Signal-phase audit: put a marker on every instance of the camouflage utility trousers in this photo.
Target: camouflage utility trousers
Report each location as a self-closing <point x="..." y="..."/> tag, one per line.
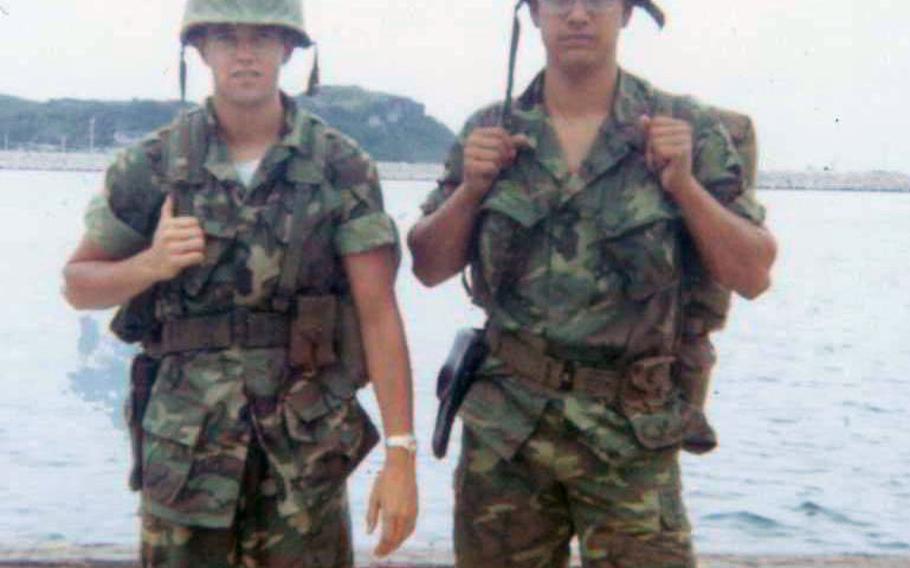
<point x="259" y="537"/>
<point x="524" y="512"/>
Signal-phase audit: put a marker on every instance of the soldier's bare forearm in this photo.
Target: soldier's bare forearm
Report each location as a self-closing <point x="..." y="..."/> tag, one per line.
<point x="372" y="278"/>
<point x="387" y="362"/>
<point x="101" y="284"/>
<point x="737" y="253"/>
<point x="439" y="241"/>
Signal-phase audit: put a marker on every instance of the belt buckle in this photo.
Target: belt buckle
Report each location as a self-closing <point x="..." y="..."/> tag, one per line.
<point x="240" y="326"/>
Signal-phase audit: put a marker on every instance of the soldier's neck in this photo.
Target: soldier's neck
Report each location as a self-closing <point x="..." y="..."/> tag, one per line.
<point x="249" y="130"/>
<point x="581" y="93"/>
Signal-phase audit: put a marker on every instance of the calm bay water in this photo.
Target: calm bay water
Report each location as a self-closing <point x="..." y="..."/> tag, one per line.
<point x="811" y="396"/>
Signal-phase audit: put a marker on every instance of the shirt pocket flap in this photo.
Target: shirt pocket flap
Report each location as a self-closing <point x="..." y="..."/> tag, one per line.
<point x="509" y="199"/>
<point x="304" y="403"/>
<point x="639" y="210"/>
<point x="320" y="205"/>
<point x="305" y="172"/>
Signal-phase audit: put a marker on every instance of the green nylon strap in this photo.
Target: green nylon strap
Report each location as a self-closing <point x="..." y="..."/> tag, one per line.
<point x="293" y="257"/>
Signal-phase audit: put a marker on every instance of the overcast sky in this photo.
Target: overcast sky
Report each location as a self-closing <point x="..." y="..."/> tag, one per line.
<point x="827" y="81"/>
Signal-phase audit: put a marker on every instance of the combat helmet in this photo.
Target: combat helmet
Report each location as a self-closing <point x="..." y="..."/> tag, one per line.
<point x="286" y="14"/>
<point x="648" y="6"/>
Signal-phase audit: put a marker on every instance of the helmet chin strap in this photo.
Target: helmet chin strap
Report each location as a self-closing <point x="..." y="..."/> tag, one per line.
<point x="313" y="84"/>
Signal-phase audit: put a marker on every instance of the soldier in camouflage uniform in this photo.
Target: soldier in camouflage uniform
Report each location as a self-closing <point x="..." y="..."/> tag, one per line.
<point x="257" y="236"/>
<point x="584" y="217"/>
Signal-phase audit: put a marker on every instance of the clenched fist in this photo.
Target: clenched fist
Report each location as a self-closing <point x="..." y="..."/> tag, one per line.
<point x="487" y="152"/>
<point x="178" y="243"/>
<point x="668" y="150"/>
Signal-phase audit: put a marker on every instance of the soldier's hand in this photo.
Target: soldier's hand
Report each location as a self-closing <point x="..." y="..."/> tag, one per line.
<point x="178" y="243"/>
<point x="394" y="499"/>
<point x="668" y="150"/>
<point x="487" y="152"/>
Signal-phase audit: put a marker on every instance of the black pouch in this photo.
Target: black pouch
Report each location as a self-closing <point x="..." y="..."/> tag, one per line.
<point x="454" y="381"/>
<point x="143" y="371"/>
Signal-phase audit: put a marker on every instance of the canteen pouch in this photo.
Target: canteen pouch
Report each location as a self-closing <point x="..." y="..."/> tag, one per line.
<point x="311" y="341"/>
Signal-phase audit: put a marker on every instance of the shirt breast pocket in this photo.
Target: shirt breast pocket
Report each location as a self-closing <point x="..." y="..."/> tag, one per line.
<point x="640" y="238"/>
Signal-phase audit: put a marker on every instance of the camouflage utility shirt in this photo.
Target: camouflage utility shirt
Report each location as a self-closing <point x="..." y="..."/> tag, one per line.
<point x="207" y="406"/>
<point x="589" y="261"/>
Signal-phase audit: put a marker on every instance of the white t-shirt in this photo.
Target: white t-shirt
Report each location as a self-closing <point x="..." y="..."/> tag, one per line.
<point x="246" y="170"/>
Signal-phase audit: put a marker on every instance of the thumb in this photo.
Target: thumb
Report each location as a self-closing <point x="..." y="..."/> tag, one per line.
<point x="373" y="509"/>
<point x="521" y="141"/>
<point x="167" y="208"/>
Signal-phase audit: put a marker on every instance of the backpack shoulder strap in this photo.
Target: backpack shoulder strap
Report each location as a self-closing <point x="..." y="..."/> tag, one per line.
<point x="290" y="267"/>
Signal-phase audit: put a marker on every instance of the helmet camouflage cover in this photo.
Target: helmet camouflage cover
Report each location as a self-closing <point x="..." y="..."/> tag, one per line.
<point x="287" y="14"/>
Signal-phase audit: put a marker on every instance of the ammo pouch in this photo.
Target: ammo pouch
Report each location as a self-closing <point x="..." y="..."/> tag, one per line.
<point x="143" y="371"/>
<point x="311" y="344"/>
<point x="454" y="380"/>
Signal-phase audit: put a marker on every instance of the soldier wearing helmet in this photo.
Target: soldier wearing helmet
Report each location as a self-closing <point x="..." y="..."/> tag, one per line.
<point x="248" y="248"/>
<point x="603" y="224"/>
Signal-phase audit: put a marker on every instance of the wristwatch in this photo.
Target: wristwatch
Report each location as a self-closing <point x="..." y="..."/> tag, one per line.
<point x="405" y="441"/>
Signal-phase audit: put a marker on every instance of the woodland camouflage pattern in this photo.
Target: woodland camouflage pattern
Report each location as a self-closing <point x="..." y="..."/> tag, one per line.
<point x="594" y="263"/>
<point x="209" y="408"/>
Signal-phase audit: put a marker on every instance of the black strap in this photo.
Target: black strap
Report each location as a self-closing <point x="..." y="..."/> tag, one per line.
<point x="313" y="84"/>
<point x="513" y="55"/>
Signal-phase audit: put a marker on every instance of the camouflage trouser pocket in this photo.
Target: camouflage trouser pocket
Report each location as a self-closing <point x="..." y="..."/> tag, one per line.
<point x="329" y="438"/>
<point x="172" y="426"/>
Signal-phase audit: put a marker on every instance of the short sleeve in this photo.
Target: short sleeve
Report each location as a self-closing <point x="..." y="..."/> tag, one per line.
<point x="122" y="219"/>
<point x="721" y="169"/>
<point x="364" y="224"/>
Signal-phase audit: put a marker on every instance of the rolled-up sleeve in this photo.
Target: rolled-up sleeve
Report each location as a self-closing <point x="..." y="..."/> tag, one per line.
<point x="122" y="219"/>
<point x="722" y="169"/>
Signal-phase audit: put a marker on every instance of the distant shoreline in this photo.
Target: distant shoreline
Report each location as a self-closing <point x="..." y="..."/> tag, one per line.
<point x="98" y="162"/>
<point x="873" y="181"/>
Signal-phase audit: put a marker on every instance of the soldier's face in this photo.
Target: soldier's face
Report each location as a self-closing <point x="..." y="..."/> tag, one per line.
<point x="245" y="61"/>
<point x="582" y="33"/>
